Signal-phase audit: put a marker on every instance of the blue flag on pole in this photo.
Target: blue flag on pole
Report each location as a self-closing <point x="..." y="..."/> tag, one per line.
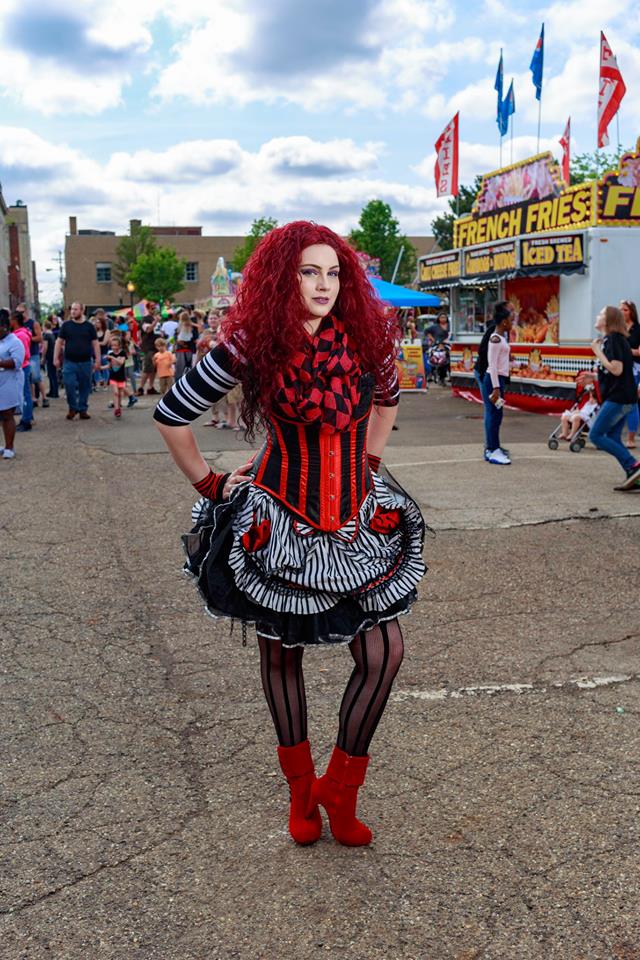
<point x="536" y="65"/>
<point x="507" y="109"/>
<point x="498" y="86"/>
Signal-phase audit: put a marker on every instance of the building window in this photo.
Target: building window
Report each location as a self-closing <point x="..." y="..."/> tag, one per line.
<point x="103" y="273"/>
<point x="191" y="272"/>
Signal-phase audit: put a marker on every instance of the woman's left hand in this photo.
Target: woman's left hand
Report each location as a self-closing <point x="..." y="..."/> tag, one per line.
<point x="596" y="346"/>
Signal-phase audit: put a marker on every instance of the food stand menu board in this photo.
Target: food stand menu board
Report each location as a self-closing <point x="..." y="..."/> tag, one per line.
<point x="550" y="254"/>
<point x="489" y="261"/>
<point x="441" y="268"/>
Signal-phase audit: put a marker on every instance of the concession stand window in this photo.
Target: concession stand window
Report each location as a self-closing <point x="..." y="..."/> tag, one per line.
<point x="472" y="308"/>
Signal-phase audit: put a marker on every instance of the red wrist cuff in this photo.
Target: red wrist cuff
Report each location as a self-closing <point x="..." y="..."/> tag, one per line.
<point x="212" y="485"/>
<point x="374" y="462"/>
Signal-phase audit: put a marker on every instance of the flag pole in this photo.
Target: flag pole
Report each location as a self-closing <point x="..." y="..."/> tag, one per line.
<point x="539" y="118"/>
<point x="511" y="161"/>
<point x="618" y="130"/>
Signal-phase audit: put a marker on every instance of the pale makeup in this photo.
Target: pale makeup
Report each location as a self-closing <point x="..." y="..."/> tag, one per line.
<point x="319" y="274"/>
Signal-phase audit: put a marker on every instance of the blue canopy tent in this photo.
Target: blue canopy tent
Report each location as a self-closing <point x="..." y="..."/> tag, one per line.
<point x="403" y="297"/>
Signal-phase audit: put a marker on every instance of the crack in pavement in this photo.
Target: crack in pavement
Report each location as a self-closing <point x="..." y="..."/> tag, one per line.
<point x="586" y="645"/>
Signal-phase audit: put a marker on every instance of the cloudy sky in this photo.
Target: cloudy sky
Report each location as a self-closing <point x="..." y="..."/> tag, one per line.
<point x="214" y="112"/>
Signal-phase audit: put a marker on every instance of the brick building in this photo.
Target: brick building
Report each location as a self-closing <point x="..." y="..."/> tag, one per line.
<point x="18" y="281"/>
<point x="4" y="253"/>
<point x="90" y="257"/>
<point x="23" y="285"/>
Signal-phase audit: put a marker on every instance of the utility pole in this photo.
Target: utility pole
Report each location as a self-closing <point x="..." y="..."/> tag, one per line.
<point x="59" y="258"/>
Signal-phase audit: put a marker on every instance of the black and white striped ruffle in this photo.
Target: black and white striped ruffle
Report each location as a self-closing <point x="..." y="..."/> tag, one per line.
<point x="304" y="573"/>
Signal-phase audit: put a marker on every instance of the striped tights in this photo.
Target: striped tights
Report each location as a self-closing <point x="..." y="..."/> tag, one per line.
<point x="377" y="655"/>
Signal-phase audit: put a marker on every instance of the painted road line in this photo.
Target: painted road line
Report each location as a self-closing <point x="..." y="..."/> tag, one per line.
<point x="493" y="689"/>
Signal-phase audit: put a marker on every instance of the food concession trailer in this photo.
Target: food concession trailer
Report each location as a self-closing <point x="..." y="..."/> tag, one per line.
<point x="558" y="253"/>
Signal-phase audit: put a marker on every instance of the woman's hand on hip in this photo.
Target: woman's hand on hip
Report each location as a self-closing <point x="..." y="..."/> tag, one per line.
<point x="238" y="476"/>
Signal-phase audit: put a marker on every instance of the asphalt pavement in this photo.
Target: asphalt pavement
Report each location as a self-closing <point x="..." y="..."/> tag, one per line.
<point x="143" y="810"/>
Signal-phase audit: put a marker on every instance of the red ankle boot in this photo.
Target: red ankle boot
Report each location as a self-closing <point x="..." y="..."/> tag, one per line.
<point x="305" y="822"/>
<point x="337" y="791"/>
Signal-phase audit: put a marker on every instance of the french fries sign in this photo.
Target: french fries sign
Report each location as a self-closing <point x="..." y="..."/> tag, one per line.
<point x="574" y="209"/>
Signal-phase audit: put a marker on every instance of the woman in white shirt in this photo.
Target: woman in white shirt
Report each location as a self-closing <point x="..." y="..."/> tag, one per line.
<point x="496" y="377"/>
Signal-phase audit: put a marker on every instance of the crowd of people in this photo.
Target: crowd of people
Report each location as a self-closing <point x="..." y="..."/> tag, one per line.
<point x="80" y="355"/>
<point x="132" y="357"/>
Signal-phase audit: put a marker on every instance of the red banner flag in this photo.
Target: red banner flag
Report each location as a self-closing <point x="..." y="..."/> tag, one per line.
<point x="612" y="90"/>
<point x="565" y="143"/>
<point x="447" y="160"/>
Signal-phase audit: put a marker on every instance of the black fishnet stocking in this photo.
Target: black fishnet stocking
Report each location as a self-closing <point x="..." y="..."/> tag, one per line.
<point x="378" y="654"/>
<point x="283" y="684"/>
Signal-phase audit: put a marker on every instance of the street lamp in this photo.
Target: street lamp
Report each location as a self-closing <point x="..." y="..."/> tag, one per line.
<point x="131" y="288"/>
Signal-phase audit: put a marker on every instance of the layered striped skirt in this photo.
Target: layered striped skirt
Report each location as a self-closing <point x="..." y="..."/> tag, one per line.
<point x="257" y="562"/>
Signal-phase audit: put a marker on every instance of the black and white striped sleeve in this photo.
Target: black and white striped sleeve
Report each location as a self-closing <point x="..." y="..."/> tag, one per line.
<point x="190" y="396"/>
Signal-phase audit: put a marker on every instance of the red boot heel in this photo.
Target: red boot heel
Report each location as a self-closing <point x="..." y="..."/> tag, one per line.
<point x="305" y="822"/>
<point x="337" y="792"/>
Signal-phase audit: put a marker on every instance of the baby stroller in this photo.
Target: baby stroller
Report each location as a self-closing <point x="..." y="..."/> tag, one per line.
<point x="440" y="361"/>
<point x="588" y="401"/>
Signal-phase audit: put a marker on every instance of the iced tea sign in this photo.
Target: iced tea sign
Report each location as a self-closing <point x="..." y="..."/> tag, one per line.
<point x="561" y="253"/>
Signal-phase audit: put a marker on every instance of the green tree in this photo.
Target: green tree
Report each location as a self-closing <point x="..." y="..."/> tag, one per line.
<point x="442" y="226"/>
<point x="259" y="228"/>
<point x="158" y="275"/>
<point x="128" y="249"/>
<point x="592" y="166"/>
<point x="379" y="236"/>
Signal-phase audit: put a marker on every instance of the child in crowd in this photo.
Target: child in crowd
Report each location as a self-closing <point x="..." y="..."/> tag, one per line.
<point x="206" y="342"/>
<point x="232" y="408"/>
<point x="130" y="362"/>
<point x="116" y="359"/>
<point x="164" y="363"/>
<point x="584" y="411"/>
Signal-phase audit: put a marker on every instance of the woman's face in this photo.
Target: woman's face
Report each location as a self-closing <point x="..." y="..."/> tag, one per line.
<point x="626" y="313"/>
<point x="601" y="326"/>
<point x="319" y="279"/>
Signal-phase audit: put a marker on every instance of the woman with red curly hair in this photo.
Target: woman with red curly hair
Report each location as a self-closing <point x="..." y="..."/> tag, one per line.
<point x="308" y="540"/>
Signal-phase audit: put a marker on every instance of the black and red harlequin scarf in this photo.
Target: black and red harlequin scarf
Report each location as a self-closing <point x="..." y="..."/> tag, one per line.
<point x="321" y="383"/>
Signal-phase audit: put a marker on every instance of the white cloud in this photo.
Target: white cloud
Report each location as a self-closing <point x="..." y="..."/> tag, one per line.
<point x="74" y="57"/>
<point x="383" y="54"/>
<point x="187" y="162"/>
<point x="307" y="157"/>
<point x="502" y="12"/>
<point x="216" y="184"/>
<point x="570" y="21"/>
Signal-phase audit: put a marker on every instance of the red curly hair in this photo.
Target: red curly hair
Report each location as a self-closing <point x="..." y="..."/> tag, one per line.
<point x="268" y="317"/>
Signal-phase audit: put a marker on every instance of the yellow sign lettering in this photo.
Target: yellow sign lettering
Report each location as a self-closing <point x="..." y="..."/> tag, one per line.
<point x="618" y="199"/>
<point x="564" y="210"/>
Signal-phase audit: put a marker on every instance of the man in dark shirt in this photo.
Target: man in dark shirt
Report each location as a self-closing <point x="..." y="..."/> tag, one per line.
<point x="79" y="340"/>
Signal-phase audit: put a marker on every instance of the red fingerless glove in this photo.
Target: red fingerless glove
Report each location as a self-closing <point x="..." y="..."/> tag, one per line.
<point x="212" y="485"/>
<point x="374" y="462"/>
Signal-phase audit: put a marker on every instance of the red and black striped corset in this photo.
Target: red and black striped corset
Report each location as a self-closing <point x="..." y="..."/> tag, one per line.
<point x="322" y="476"/>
